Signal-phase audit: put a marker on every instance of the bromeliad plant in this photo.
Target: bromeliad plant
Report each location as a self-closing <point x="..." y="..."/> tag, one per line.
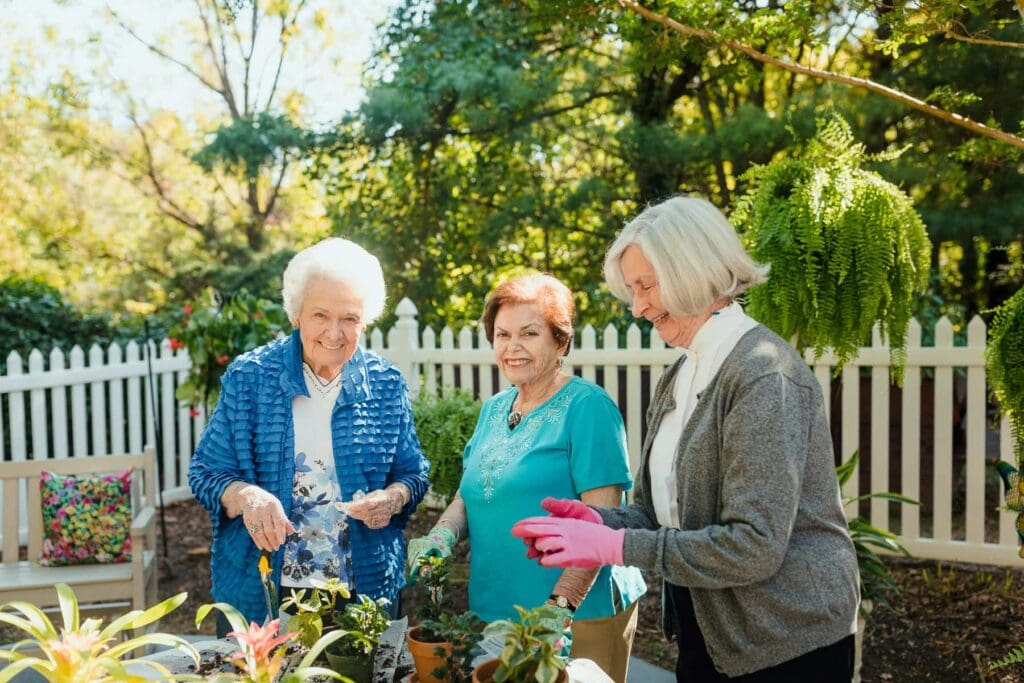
<point x="85" y="651"/>
<point x="262" y="653"/>
<point x="216" y="330"/>
<point x="846" y="247"/>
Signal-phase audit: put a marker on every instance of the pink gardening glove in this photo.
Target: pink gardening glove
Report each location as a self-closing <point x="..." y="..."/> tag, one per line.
<point x="571" y="509"/>
<point x="572" y="542"/>
<point x="567" y="508"/>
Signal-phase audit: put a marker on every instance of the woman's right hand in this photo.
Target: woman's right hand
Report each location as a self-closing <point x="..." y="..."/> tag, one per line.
<point x="264" y="517"/>
<point x="438" y="543"/>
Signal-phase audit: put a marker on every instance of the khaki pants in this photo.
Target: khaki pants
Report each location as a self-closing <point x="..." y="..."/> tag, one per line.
<point x="606" y="641"/>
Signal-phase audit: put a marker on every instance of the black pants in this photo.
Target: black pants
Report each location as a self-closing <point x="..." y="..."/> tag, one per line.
<point x="829" y="664"/>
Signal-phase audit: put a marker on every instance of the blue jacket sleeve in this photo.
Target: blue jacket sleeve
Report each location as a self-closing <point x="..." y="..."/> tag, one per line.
<point x="410" y="465"/>
<point x="216" y="462"/>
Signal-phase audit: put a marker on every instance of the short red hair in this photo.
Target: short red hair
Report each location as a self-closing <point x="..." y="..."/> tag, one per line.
<point x="544" y="291"/>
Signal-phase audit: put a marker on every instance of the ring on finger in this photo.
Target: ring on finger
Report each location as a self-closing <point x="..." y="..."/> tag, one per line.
<point x="254" y="528"/>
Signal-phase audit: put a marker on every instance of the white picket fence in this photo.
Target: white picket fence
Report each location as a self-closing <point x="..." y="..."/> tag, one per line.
<point x="111" y="409"/>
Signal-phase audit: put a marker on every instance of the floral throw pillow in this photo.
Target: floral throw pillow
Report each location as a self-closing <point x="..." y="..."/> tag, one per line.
<point x="86" y="518"/>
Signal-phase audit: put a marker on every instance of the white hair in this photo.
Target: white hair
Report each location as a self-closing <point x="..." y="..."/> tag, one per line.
<point x="696" y="254"/>
<point x="337" y="260"/>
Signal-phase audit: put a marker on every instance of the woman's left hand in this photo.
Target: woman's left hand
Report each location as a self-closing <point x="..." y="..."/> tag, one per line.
<point x="560" y="542"/>
<point x="376" y="508"/>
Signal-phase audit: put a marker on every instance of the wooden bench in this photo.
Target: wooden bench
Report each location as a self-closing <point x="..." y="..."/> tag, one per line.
<point x="99" y="587"/>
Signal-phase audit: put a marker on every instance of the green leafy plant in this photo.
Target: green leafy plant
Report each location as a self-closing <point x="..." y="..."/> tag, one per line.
<point x="434" y="573"/>
<point x="1016" y="656"/>
<point x="362" y="623"/>
<point x="262" y="653"/>
<point x="532" y="648"/>
<point x="876" y="581"/>
<point x="463" y="632"/>
<point x="215" y="331"/>
<point x="313" y="607"/>
<point x="84" y="651"/>
<point x="444" y="425"/>
<point x="1004" y="365"/>
<point x="846" y="247"/>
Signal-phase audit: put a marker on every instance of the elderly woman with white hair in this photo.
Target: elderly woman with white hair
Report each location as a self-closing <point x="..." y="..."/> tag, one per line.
<point x="311" y="454"/>
<point x="737" y="503"/>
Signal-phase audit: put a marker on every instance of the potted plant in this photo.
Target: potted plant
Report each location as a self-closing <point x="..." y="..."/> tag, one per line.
<point x="876" y="581"/>
<point x="460" y="633"/>
<point x="531" y="651"/>
<point x="360" y="625"/>
<point x="847" y="248"/>
<point x="426" y="645"/>
<point x="312" y="608"/>
<point x="262" y="655"/>
<point x="85" y="650"/>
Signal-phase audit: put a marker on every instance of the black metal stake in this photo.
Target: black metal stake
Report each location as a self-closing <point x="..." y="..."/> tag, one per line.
<point x="159" y="447"/>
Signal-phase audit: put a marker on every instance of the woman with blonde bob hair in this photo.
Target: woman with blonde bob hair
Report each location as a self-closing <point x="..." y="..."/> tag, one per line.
<point x="737" y="503"/>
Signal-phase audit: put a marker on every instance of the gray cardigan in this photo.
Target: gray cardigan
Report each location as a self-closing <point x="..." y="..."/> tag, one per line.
<point x="762" y="543"/>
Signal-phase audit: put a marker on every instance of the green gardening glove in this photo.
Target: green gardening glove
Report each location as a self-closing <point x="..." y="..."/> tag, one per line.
<point x="438" y="543"/>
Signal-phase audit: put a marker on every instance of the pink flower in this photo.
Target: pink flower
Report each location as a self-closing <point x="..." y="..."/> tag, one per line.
<point x="192" y="412"/>
<point x="223" y="360"/>
<point x="175" y="343"/>
<point x="256" y="649"/>
<point x="187" y="308"/>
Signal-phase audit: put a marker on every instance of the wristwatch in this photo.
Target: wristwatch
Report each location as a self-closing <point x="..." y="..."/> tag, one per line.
<point x="563" y="602"/>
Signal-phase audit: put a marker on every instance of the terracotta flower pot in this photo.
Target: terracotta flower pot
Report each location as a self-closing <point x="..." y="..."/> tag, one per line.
<point x="424" y="655"/>
<point x="485" y="672"/>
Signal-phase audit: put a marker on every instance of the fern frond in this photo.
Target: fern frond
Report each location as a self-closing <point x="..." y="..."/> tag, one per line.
<point x="846" y="248"/>
<point x="1016" y="656"/>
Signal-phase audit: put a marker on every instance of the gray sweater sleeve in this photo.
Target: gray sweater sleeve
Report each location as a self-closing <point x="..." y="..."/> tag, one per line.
<point x="763" y="441"/>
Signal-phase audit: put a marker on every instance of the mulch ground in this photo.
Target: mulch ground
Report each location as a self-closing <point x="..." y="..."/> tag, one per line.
<point x="948" y="623"/>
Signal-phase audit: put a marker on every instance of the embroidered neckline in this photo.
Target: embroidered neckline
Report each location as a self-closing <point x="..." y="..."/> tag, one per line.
<point x="503" y="445"/>
<point x="323" y="388"/>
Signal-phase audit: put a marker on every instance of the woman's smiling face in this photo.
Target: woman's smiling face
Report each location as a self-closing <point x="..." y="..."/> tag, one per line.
<point x="642" y="281"/>
<point x="330" y="323"/>
<point x="524" y="346"/>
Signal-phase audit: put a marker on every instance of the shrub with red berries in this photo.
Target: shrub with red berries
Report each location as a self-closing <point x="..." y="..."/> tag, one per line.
<point x="216" y="330"/>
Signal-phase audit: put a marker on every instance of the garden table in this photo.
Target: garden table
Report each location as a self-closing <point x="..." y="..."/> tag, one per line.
<point x="391" y="665"/>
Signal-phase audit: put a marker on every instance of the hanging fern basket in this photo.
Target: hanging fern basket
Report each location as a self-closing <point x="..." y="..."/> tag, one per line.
<point x="1004" y="366"/>
<point x="846" y="248"/>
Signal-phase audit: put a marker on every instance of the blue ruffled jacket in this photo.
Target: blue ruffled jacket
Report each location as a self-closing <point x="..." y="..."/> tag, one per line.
<point x="251" y="437"/>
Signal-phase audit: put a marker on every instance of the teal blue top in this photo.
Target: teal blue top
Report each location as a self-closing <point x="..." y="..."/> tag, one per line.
<point x="573" y="442"/>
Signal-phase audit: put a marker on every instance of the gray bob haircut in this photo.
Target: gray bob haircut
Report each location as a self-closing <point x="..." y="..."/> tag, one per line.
<point x="696" y="254"/>
<point x="337" y="260"/>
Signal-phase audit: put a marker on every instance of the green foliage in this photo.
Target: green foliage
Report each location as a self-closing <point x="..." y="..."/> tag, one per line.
<point x="846" y="248"/>
<point x="444" y="425"/>
<point x="1004" y="366"/>
<point x="248" y="145"/>
<point x="34" y="315"/>
<point x="876" y="581"/>
<point x="215" y="332"/>
<point x="310" y="609"/>
<point x="434" y="572"/>
<point x="531" y="648"/>
<point x="85" y="651"/>
<point x="463" y="632"/>
<point x="362" y="622"/>
<point x="1016" y="656"/>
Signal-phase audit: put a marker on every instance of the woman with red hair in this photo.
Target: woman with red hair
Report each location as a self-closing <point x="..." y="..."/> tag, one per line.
<point x="549" y="435"/>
